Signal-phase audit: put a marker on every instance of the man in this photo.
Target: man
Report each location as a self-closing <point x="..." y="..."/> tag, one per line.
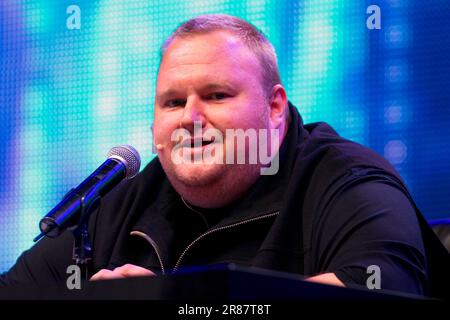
<point x="332" y="210"/>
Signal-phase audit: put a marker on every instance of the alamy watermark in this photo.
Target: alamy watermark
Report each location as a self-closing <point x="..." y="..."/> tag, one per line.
<point x="374" y="280"/>
<point x="238" y="146"/>
<point x="74" y="279"/>
<point x="374" y="20"/>
<point x="73" y="21"/>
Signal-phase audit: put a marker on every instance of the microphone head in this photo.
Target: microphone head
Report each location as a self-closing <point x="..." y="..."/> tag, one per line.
<point x="129" y="156"/>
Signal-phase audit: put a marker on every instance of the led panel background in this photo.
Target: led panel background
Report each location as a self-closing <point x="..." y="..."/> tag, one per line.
<point x="68" y="96"/>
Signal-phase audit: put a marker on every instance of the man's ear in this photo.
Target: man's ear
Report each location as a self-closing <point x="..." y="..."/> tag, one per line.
<point x="278" y="107"/>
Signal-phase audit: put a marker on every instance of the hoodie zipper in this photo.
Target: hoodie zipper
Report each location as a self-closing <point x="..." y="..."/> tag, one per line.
<point x="153" y="244"/>
<point x="177" y="265"/>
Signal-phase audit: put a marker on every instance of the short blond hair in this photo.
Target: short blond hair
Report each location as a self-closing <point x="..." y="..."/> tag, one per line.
<point x="250" y="36"/>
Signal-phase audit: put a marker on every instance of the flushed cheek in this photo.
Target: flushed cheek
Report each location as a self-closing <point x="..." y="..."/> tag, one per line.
<point x="163" y="130"/>
<point x="239" y="116"/>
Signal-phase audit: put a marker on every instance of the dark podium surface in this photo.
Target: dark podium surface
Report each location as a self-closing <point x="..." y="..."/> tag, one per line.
<point x="215" y="283"/>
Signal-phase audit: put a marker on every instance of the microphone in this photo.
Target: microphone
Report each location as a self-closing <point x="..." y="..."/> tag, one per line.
<point x="123" y="162"/>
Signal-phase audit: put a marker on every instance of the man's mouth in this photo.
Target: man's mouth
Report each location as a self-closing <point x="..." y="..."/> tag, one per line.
<point x="196" y="142"/>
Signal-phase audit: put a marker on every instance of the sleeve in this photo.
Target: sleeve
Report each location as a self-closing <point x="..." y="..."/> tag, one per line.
<point x="371" y="223"/>
<point x="43" y="264"/>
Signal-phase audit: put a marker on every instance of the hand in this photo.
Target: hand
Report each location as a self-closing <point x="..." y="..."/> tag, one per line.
<point x="125" y="271"/>
<point x="327" y="278"/>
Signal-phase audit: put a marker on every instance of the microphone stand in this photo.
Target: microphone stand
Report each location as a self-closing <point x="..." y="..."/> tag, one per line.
<point x="82" y="247"/>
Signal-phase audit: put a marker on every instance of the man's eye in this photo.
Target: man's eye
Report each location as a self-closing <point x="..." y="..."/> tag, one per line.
<point x="174" y="103"/>
<point x="218" y="96"/>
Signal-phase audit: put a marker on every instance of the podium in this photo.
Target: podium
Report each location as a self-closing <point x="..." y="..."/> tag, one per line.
<point x="216" y="292"/>
<point x="226" y="282"/>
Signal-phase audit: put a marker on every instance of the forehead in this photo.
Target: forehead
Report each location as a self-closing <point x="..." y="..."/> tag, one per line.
<point x="220" y="49"/>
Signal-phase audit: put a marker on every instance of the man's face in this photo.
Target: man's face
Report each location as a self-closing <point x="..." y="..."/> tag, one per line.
<point x="215" y="80"/>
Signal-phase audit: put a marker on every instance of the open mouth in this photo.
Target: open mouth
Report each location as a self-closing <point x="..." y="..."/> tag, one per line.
<point x="196" y="142"/>
<point x="206" y="142"/>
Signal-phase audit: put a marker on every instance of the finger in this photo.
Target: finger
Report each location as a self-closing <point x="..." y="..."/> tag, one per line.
<point x="130" y="270"/>
<point x="105" y="274"/>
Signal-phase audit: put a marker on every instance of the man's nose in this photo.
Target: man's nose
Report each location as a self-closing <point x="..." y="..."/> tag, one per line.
<point x="193" y="113"/>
